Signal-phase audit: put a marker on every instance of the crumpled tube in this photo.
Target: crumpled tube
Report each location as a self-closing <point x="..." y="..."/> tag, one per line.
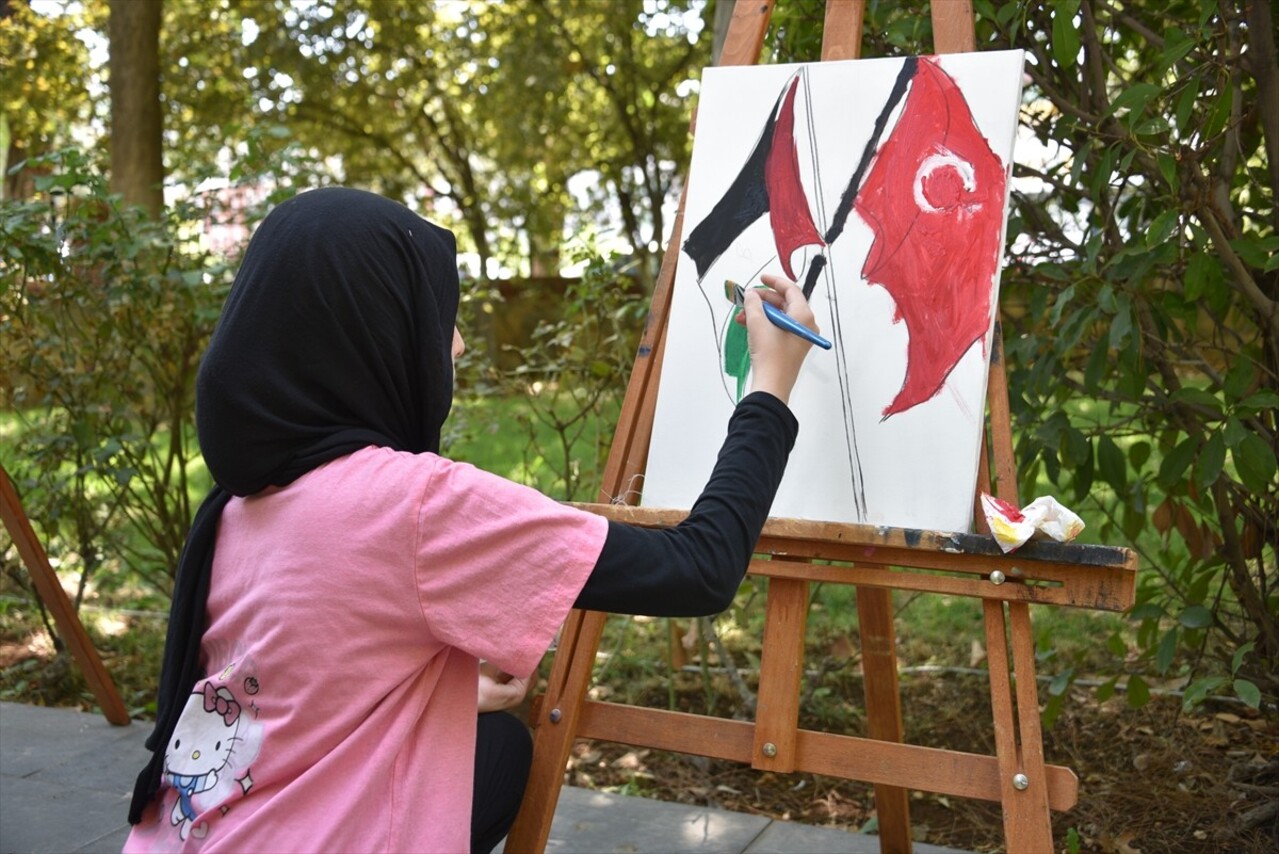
<point x="1012" y="527"/>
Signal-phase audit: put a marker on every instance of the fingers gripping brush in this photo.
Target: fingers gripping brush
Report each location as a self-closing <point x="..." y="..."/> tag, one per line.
<point x="736" y="294"/>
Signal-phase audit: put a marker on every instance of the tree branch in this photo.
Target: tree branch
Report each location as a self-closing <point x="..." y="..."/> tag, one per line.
<point x="1267" y="308"/>
<point x="1265" y="69"/>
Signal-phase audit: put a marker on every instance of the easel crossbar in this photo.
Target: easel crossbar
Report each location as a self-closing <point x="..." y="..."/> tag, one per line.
<point x="1092" y="592"/>
<point x="928" y="769"/>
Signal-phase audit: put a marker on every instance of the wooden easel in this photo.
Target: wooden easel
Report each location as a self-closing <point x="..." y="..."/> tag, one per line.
<point x="55" y="599"/>
<point x="882" y="560"/>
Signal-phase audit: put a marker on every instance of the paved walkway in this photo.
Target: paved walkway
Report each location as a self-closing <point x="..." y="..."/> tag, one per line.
<point x="65" y="778"/>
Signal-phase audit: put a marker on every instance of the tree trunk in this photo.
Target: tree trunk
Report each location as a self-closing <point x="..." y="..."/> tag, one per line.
<point x="137" y="166"/>
<point x="20" y="184"/>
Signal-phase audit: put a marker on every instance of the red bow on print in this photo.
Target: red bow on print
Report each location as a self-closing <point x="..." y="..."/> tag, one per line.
<point x="220" y="700"/>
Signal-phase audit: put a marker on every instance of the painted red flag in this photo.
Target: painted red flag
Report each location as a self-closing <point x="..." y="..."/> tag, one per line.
<point x="935" y="201"/>
<point x="788" y="212"/>
<point x="767" y="182"/>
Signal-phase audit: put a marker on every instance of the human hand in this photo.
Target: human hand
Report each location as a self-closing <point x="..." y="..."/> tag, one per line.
<point x="498" y="690"/>
<point x="776" y="355"/>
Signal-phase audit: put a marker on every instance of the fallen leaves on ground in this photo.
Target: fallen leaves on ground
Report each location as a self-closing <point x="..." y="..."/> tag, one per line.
<point x="1151" y="779"/>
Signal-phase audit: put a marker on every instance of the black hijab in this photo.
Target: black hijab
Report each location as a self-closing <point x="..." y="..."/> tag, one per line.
<point x="336" y="335"/>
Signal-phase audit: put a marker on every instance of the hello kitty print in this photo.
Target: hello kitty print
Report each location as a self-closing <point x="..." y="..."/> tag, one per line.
<point x="208" y="761"/>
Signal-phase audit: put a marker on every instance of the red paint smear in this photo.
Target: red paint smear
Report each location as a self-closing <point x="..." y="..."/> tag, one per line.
<point x="788" y="212"/>
<point x="1008" y="511"/>
<point x="939" y="265"/>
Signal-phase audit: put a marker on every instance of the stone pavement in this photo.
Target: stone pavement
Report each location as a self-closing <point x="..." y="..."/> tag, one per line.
<point x="65" y="779"/>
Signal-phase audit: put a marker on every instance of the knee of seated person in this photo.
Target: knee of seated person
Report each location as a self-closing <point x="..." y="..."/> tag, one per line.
<point x="509" y="731"/>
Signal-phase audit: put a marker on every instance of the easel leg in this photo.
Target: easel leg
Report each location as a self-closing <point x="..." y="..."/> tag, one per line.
<point x="1018" y="745"/>
<point x="781" y="669"/>
<point x="554" y="727"/>
<point x="883" y="708"/>
<point x="55" y="599"/>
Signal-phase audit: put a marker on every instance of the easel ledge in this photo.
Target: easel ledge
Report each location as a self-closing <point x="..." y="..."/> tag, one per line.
<point x="1040" y="572"/>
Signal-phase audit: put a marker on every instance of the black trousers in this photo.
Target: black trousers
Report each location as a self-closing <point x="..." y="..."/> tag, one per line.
<point x="503" y="756"/>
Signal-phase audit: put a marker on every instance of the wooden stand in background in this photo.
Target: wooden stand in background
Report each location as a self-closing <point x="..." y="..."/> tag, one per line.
<point x="55" y="599"/>
<point x="882" y="560"/>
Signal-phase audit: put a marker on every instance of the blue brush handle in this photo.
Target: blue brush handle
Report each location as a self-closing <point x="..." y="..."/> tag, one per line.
<point x="782" y="320"/>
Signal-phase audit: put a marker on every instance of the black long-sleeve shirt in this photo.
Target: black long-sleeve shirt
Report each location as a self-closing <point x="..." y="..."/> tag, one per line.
<point x="695" y="568"/>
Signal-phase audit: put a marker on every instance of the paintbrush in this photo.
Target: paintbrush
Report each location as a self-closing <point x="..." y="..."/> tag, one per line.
<point x="737" y="296"/>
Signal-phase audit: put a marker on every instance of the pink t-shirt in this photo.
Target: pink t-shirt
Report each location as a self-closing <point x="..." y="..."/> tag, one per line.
<point x="346" y="614"/>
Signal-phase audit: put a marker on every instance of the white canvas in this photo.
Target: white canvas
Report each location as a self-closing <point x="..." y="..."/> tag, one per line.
<point x="890" y="431"/>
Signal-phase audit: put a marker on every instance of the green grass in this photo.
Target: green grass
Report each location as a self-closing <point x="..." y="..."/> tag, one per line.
<point x="510" y="436"/>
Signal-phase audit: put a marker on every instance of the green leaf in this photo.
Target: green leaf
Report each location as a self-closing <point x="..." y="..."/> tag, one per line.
<point x="1186" y="104"/>
<point x="1195" y="617"/>
<point x="1261" y="401"/>
<point x="1162" y="227"/>
<point x="1134" y="98"/>
<point x="1218" y="114"/>
<point x="1006" y="12"/>
<point x="1097" y="368"/>
<point x="1248" y="692"/>
<point x="1176" y="463"/>
<point x="1168" y="168"/>
<point x="1255" y="462"/>
<point x="1255" y="252"/>
<point x="1238" y="658"/>
<point x="1059" y="304"/>
<point x="1076" y="449"/>
<point x="1100" y="180"/>
<point x="1178" y="45"/>
<point x="1239" y="378"/>
<point x="1055" y="272"/>
<point x="1197" y="397"/>
<point x="1167" y="650"/>
<point x="1083" y="477"/>
<point x="1146" y="611"/>
<point x="1065" y="33"/>
<point x="1199" y="690"/>
<point x="1234" y="432"/>
<point x="1079" y="161"/>
<point x="1111" y="464"/>
<point x="1211" y="461"/>
<point x="1202" y="271"/>
<point x="1115" y="645"/>
<point x="1052" y="710"/>
<point x="1138" y="692"/>
<point x="1198" y="590"/>
<point x="1106" y="298"/>
<point x="1122" y="323"/>
<point x="1106" y="690"/>
<point x="1138" y="454"/>
<point x="1155" y="125"/>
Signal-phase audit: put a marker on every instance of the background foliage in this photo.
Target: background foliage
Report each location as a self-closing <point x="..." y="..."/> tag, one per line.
<point x="1140" y="299"/>
<point x="1140" y="293"/>
<point x="104" y="314"/>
